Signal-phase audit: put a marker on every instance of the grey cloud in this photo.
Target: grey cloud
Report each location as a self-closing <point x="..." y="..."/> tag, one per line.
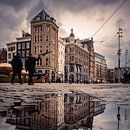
<point x="11" y="16"/>
<point x="35" y="9"/>
<point x="76" y="5"/>
<point x="16" y="4"/>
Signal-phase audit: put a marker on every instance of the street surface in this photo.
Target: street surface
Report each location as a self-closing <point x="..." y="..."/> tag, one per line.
<point x="113" y="95"/>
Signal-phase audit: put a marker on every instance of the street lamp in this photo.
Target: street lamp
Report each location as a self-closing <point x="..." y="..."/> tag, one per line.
<point x="118" y="117"/>
<point x="119" y="51"/>
<point x="126" y="54"/>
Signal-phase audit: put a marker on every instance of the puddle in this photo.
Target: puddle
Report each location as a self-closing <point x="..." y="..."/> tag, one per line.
<point x="65" y="109"/>
<point x="55" y="109"/>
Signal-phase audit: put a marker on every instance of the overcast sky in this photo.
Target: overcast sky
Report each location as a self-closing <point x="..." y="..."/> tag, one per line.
<point x="84" y="16"/>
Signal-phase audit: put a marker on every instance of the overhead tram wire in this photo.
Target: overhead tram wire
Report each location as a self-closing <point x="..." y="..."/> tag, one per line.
<point x="109" y="17"/>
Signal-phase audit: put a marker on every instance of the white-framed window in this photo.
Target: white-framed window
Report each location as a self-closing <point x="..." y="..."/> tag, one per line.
<point x="23" y="45"/>
<point x="9" y="55"/>
<point x="40" y="38"/>
<point x="38" y="28"/>
<point x="40" y="49"/>
<point x="19" y="46"/>
<point x="27" y="45"/>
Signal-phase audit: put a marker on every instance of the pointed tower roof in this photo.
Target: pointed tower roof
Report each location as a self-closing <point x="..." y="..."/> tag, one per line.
<point x="72" y="34"/>
<point x="40" y="16"/>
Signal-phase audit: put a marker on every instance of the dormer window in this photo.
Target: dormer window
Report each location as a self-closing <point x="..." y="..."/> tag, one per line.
<point x="38" y="18"/>
<point x="47" y="17"/>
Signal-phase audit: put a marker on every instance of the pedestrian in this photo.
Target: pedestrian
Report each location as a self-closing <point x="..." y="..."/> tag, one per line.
<point x="125" y="77"/>
<point x="30" y="67"/>
<point x="17" y="66"/>
<point x="129" y="77"/>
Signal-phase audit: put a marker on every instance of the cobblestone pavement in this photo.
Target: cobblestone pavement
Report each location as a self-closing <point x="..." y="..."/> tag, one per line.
<point x="114" y="94"/>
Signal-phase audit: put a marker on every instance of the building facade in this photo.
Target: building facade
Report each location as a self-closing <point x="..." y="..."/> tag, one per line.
<point x="44" y="37"/>
<point x="76" y="60"/>
<point x="61" y="59"/>
<point x="3" y="55"/>
<point x="100" y="68"/>
<point x="110" y="75"/>
<point x="23" y="46"/>
<point x="50" y="115"/>
<point x="79" y="110"/>
<point x="89" y="44"/>
<point x="11" y="51"/>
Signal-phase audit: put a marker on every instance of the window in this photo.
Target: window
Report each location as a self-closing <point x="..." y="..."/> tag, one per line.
<point x="9" y="49"/>
<point x="47" y="29"/>
<point x="37" y="63"/>
<point x="47" y="48"/>
<point x="35" y="49"/>
<point x="71" y="58"/>
<point x="38" y="18"/>
<point x="35" y="38"/>
<point x="40" y="49"/>
<point x="40" y="38"/>
<point x="28" y="45"/>
<point x="9" y="55"/>
<point x="14" y="54"/>
<point x="47" y="38"/>
<point x="71" y="69"/>
<point x="47" y="61"/>
<point x="27" y="53"/>
<point x="23" y="45"/>
<point x="40" y="61"/>
<point x="65" y="50"/>
<point x="19" y="46"/>
<point x="38" y="28"/>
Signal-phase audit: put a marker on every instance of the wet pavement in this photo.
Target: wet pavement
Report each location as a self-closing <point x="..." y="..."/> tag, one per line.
<point x="114" y="95"/>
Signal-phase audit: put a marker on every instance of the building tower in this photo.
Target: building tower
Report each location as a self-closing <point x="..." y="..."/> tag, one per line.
<point x="45" y="38"/>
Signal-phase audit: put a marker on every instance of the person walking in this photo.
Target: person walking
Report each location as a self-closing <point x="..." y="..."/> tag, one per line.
<point x="17" y="66"/>
<point x="30" y="67"/>
<point x="125" y="77"/>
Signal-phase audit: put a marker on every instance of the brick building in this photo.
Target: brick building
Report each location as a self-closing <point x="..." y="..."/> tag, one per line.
<point x="44" y="37"/>
<point x="89" y="44"/>
<point x="76" y="60"/>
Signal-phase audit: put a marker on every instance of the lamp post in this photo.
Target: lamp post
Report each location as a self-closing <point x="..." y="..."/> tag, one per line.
<point x="119" y="51"/>
<point x="126" y="54"/>
<point x="118" y="118"/>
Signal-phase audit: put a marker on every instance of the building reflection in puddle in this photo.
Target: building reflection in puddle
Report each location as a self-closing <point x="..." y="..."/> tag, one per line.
<point x="56" y="110"/>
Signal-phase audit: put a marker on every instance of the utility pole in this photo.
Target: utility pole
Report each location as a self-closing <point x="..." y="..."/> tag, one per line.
<point x="126" y="54"/>
<point x="118" y="118"/>
<point x="119" y="51"/>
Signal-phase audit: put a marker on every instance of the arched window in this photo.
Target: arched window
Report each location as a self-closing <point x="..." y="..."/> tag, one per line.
<point x="71" y="69"/>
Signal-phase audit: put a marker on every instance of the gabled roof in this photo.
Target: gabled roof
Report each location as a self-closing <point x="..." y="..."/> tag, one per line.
<point x="42" y="16"/>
